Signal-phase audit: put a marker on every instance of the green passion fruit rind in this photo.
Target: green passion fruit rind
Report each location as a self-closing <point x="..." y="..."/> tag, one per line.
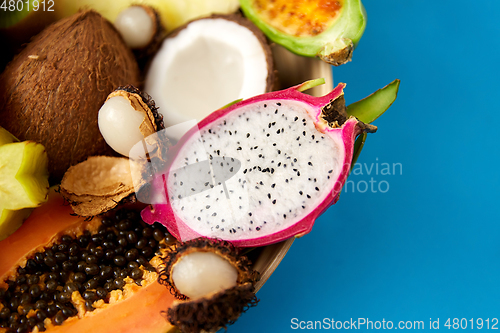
<point x="334" y="45"/>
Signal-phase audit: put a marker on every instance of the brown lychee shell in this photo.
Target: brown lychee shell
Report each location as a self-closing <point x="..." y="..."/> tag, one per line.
<point x="98" y="184"/>
<point x="159" y="143"/>
<point x="147" y="101"/>
<point x="145" y="53"/>
<point x="211" y="314"/>
<point x="216" y="310"/>
<point x="52" y="91"/>
<point x="101" y="183"/>
<point x="223" y="248"/>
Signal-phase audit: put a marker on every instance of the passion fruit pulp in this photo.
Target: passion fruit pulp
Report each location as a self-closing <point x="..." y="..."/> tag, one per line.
<point x="326" y="29"/>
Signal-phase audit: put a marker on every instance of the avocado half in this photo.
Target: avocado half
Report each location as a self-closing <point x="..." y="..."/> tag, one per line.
<point x="329" y="30"/>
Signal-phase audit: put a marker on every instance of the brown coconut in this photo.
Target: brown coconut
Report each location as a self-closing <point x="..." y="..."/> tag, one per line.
<point x="52" y="91"/>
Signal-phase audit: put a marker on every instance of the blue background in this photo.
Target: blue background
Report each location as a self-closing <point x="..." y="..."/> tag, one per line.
<point x="429" y="247"/>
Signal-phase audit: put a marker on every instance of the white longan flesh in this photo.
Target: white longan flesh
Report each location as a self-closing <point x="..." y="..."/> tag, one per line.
<point x="200" y="273"/>
<point x="119" y="124"/>
<point x="136" y="26"/>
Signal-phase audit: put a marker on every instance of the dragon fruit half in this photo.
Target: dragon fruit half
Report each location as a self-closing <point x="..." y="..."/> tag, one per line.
<point x="259" y="171"/>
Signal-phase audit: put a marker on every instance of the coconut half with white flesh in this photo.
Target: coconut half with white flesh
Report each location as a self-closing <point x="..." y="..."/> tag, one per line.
<point x="207" y="64"/>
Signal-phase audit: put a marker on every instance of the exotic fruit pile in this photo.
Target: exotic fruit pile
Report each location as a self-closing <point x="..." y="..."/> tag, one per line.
<point x="125" y="214"/>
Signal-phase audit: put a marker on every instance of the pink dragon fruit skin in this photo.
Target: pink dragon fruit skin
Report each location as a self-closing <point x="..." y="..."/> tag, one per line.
<point x="339" y="144"/>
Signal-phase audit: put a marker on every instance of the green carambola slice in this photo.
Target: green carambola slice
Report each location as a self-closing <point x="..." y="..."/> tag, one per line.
<point x="23" y="175"/>
<point x="6" y="137"/>
<point x="23" y="180"/>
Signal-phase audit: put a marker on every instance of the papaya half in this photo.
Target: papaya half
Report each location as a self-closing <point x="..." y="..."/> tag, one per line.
<point x="63" y="273"/>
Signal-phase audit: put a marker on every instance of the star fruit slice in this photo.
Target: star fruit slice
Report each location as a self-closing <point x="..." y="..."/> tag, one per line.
<point x="23" y="180"/>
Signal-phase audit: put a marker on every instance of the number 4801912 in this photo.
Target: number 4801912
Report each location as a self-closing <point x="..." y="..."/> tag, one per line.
<point x="33" y="5"/>
<point x="478" y="323"/>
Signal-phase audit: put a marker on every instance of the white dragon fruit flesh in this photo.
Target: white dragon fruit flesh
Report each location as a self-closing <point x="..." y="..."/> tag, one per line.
<point x="259" y="171"/>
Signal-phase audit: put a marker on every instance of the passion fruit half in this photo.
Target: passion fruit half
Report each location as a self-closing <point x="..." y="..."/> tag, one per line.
<point x="326" y="29"/>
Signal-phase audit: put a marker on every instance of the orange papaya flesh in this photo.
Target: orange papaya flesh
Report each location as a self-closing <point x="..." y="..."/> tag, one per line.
<point x="44" y="226"/>
<point x="140" y="313"/>
<point x="136" y="307"/>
